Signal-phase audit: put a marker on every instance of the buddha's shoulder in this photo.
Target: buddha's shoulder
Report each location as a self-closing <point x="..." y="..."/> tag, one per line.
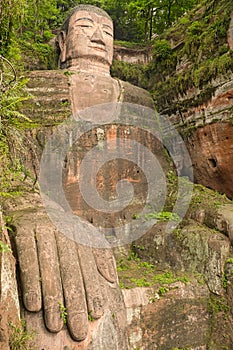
<point x="135" y="94"/>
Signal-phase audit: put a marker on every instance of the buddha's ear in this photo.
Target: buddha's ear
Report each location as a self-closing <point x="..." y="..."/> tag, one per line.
<point x="61" y="38"/>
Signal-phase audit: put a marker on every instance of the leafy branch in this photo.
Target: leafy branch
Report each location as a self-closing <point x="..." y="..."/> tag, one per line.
<point x="63" y="312"/>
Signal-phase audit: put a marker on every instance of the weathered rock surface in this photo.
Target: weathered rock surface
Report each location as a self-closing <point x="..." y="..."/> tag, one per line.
<point x="193" y="249"/>
<point x="9" y="298"/>
<point x="171" y="315"/>
<point x="102" y="335"/>
<point x="211" y="149"/>
<point x="135" y="56"/>
<point x="170" y="321"/>
<point x="208" y="134"/>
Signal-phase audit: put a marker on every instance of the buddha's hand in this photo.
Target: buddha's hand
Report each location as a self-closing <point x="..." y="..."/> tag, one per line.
<point x="60" y="276"/>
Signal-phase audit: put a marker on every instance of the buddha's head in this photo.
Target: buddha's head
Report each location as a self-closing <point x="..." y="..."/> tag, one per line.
<point x="86" y="36"/>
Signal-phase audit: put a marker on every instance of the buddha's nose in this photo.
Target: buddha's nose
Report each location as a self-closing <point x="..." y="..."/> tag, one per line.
<point x="97" y="37"/>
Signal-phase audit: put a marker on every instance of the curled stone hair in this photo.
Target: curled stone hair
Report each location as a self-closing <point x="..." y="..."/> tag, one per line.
<point x="83" y="7"/>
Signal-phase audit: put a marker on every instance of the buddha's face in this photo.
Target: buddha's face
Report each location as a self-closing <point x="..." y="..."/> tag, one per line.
<point x="89" y="36"/>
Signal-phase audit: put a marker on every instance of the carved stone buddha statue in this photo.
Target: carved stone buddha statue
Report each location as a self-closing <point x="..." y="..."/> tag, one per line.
<point x="55" y="272"/>
<point x="86" y="49"/>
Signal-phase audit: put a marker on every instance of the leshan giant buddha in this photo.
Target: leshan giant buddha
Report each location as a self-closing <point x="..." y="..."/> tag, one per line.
<point x="54" y="270"/>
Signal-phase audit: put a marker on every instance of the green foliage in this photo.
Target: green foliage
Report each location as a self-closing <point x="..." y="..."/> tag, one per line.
<point x="38" y="55"/>
<point x="162" y="291"/>
<point x="133" y="256"/>
<point x="224" y="281"/>
<point x="217" y="305"/>
<point x="25" y="24"/>
<point x="141" y="282"/>
<point x="168" y="278"/>
<point x="133" y="272"/>
<point x="195" y="28"/>
<point x="11" y="17"/>
<point x="13" y="142"/>
<point x="162" y="49"/>
<point x="147" y="265"/>
<point x="130" y="44"/>
<point x="228" y="271"/>
<point x="136" y="216"/>
<point x="154" y="16"/>
<point x="162" y="216"/>
<point x="20" y="338"/>
<point x="133" y="73"/>
<point x="121" y="266"/>
<point x="9" y="104"/>
<point x="63" y="312"/>
<point x="124" y="265"/>
<point x="90" y="317"/>
<point x="204" y="198"/>
<point x="199" y="54"/>
<point x="121" y="285"/>
<point x="4" y="248"/>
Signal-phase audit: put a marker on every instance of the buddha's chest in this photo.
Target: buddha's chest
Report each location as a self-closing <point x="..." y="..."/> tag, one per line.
<point x="87" y="90"/>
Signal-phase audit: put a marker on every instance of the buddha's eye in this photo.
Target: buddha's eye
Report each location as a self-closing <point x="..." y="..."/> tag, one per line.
<point x="85" y="26"/>
<point x="108" y="33"/>
<point x="84" y="22"/>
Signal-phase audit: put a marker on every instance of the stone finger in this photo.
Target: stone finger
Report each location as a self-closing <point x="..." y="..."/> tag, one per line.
<point x="74" y="292"/>
<point x="95" y="299"/>
<point x="50" y="276"/>
<point x="105" y="263"/>
<point x="29" y="267"/>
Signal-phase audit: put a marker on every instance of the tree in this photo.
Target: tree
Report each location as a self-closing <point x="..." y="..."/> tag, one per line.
<point x="11" y="16"/>
<point x="37" y="21"/>
<point x="154" y="16"/>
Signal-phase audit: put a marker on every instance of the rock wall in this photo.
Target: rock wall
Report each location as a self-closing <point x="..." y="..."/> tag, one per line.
<point x="9" y="298"/>
<point x="134" y="56"/>
<point x="168" y="322"/>
<point x="193" y="86"/>
<point x="170" y="315"/>
<point x="208" y="133"/>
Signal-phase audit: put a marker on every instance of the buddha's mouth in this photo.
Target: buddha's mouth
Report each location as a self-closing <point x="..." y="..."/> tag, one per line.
<point x="97" y="47"/>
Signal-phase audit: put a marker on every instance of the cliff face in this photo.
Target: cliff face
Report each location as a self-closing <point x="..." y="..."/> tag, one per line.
<point x="187" y="295"/>
<point x="9" y="299"/>
<point x="133" y="55"/>
<point x="191" y="78"/>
